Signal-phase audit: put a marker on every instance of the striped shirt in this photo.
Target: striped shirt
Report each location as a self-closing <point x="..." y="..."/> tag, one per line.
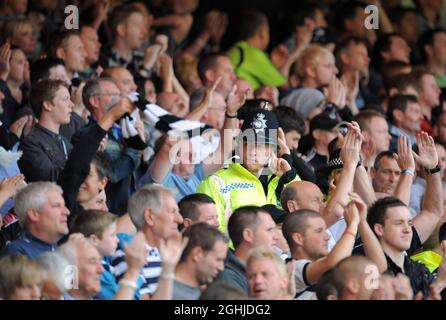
<point x="150" y="272"/>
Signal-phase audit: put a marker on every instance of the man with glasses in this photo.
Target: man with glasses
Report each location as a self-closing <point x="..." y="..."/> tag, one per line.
<point x="215" y="113"/>
<point x="99" y="95"/>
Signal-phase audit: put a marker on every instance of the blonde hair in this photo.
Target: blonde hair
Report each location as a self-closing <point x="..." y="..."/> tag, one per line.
<point x="266" y="253"/>
<point x="12" y="28"/>
<point x="17" y="271"/>
<point x="311" y="57"/>
<point x="93" y="222"/>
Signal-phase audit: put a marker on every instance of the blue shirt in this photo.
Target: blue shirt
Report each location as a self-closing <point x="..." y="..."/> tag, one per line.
<point x="117" y="266"/>
<point x="395" y="132"/>
<point x="10" y="170"/>
<point x="181" y="186"/>
<point x="109" y="285"/>
<point x="29" y="245"/>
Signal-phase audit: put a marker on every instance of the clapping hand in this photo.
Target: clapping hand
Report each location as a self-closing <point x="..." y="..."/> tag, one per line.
<point x="427" y="155"/>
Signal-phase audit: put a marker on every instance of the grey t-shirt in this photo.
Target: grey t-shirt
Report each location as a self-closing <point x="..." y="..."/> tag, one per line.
<point x="182" y="291"/>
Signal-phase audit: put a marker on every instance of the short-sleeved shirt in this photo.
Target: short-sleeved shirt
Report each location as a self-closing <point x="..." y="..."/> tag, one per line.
<point x="419" y="275"/>
<point x="150" y="272"/>
<point x="254" y="66"/>
<point x="109" y="285"/>
<point x="304" y="290"/>
<point x="182" y="291"/>
<point x="234" y="273"/>
<point x="181" y="186"/>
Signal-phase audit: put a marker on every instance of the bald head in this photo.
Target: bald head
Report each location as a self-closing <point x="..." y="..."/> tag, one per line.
<point x="302" y="195"/>
<point x="123" y="79"/>
<point x="173" y="103"/>
<point x="356" y="277"/>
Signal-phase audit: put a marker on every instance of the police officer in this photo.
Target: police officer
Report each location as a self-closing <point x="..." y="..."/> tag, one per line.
<point x="259" y="176"/>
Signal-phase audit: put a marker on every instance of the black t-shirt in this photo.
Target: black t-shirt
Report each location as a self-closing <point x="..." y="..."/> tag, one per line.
<point x="419" y="275"/>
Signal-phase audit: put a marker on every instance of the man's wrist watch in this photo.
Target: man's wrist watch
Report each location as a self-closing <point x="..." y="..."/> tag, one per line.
<point x="433" y="170"/>
<point x="231" y="116"/>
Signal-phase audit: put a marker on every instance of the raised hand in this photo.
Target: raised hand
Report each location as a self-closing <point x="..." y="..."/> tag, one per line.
<point x="283" y="148"/>
<point x="136" y="252"/>
<point x="151" y="55"/>
<point x="402" y="288"/>
<point x="171" y="250"/>
<point x="163" y="41"/>
<point x="236" y="99"/>
<point x="5" y="58"/>
<point x="304" y="33"/>
<point x="103" y="143"/>
<point x="352" y="145"/>
<point x="351" y="82"/>
<point x="221" y="25"/>
<point x="336" y="92"/>
<point x="427" y="157"/>
<point x="18" y="125"/>
<point x="279" y="166"/>
<point x="12" y="185"/>
<point x="351" y="215"/>
<point x="29" y="125"/>
<point x="405" y="157"/>
<point x="279" y="56"/>
<point x="360" y="206"/>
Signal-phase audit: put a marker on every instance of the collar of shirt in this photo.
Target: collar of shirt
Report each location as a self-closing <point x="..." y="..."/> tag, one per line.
<point x="30" y="239"/>
<point x="398" y="131"/>
<point x="153" y="251"/>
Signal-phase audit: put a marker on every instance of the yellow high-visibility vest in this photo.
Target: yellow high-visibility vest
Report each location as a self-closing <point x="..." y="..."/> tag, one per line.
<point x="236" y="187"/>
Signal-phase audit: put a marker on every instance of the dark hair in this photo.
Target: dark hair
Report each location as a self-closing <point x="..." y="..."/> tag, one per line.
<point x="189" y="204"/>
<point x="59" y="40"/>
<point x="206" y="62"/>
<point x="102" y="164"/>
<point x="396" y="14"/>
<point x="247" y="217"/>
<point x="296" y="222"/>
<point x="400" y="82"/>
<point x="388" y="154"/>
<point x="346" y="11"/>
<point x="442" y="232"/>
<point x="325" y="285"/>
<point x="289" y="120"/>
<point x="120" y="14"/>
<point x="303" y="11"/>
<point x="250" y="23"/>
<point x="427" y="39"/>
<point x="92" y="87"/>
<point x="399" y="102"/>
<point x="42" y="91"/>
<point x="344" y="45"/>
<point x="382" y="44"/>
<point x="392" y="68"/>
<point x="418" y="73"/>
<point x="288" y="193"/>
<point x="41" y="68"/>
<point x="201" y="235"/>
<point x="377" y="212"/>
